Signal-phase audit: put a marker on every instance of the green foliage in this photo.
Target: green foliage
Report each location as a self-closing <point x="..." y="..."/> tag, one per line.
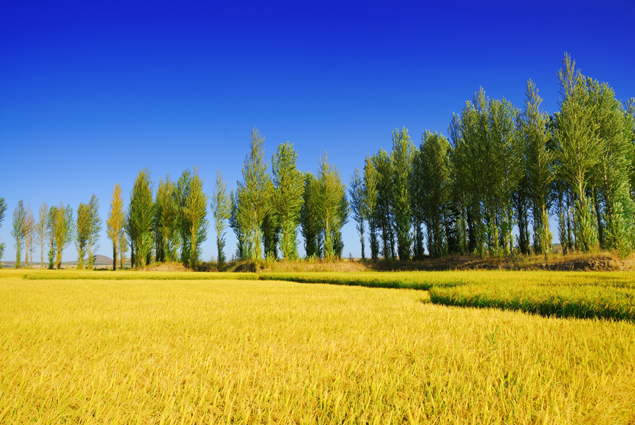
<point x="433" y="172"/>
<point x="166" y="221"/>
<point x="195" y="213"/>
<point x="310" y="219"/>
<point x="81" y="233"/>
<point x="94" y="229"/>
<point x="331" y="206"/>
<point x="384" y="214"/>
<point x="140" y="219"/>
<point x="359" y="209"/>
<point x="182" y="193"/>
<point x="579" y="147"/>
<point x="401" y="164"/>
<point x="540" y="166"/>
<point x="287" y="197"/>
<point x="253" y="198"/>
<point x="61" y="232"/>
<point x="19" y="231"/>
<point x="370" y="197"/>
<point x="221" y="212"/>
<point x="3" y="209"/>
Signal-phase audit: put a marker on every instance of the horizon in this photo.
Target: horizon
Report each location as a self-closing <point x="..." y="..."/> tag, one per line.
<point x="93" y="94"/>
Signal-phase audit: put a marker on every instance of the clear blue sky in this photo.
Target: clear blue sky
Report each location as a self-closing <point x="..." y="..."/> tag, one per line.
<point x="90" y="93"/>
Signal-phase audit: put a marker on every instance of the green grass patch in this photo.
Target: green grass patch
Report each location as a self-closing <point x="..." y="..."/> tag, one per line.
<point x="400" y="280"/>
<point x="581" y="301"/>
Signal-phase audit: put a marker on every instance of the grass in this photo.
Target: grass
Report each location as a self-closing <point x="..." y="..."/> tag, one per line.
<point x="581" y="301"/>
<point x="213" y="351"/>
<point x="402" y="280"/>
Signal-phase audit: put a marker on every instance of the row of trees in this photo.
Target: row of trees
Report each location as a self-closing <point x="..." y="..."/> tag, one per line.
<point x="491" y="186"/>
<point x="265" y="211"/>
<point x="504" y="169"/>
<point x="53" y="231"/>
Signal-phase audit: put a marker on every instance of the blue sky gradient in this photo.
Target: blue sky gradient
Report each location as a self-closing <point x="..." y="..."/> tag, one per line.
<point x="91" y="93"/>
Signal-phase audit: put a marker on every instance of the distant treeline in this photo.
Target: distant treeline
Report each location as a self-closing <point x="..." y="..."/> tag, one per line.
<point x="500" y="170"/>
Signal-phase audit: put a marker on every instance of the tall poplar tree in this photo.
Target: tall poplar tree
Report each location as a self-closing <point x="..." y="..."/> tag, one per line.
<point x="540" y="166"/>
<point x="18" y="232"/>
<point x="195" y="212"/>
<point x="310" y="219"/>
<point x="94" y="229"/>
<point x="81" y="233"/>
<point x="288" y="198"/>
<point x="579" y="148"/>
<point x="182" y="194"/>
<point x="241" y="248"/>
<point x="29" y="231"/>
<point x="61" y="231"/>
<point x="140" y="219"/>
<point x="41" y="230"/>
<point x="253" y="197"/>
<point x="331" y="193"/>
<point x="370" y="204"/>
<point x="615" y="207"/>
<point x="358" y="207"/>
<point x="3" y="209"/>
<point x="401" y="158"/>
<point x="166" y="221"/>
<point x="115" y="225"/>
<point x="384" y="214"/>
<point x="221" y="212"/>
<point x="434" y="182"/>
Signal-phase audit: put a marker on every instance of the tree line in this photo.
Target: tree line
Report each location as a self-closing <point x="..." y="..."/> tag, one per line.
<point x="503" y="169"/>
<point x="491" y="186"/>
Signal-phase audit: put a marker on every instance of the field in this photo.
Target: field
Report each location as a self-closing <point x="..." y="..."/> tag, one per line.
<point x="137" y="347"/>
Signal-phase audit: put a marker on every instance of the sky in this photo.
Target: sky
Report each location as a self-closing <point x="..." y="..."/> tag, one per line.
<point x="93" y="92"/>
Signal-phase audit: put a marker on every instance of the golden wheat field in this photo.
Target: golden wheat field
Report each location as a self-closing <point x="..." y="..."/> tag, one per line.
<point x="150" y="350"/>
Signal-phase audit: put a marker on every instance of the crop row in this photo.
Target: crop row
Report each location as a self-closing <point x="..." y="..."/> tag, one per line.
<point x="557" y="301"/>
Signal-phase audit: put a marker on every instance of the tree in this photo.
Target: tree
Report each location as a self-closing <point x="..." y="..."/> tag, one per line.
<point x="18" y="232"/>
<point x="540" y="167"/>
<point x="614" y="206"/>
<point x="271" y="226"/>
<point x="253" y="197"/>
<point x="94" y="227"/>
<point x="241" y="249"/>
<point x="331" y="191"/>
<point x="140" y="219"/>
<point x="221" y="212"/>
<point x="29" y="230"/>
<point x="61" y="231"/>
<point x="370" y="204"/>
<point x="434" y="174"/>
<point x="115" y="224"/>
<point x="166" y="221"/>
<point x="182" y="193"/>
<point x="123" y="248"/>
<point x="288" y="198"/>
<point x="3" y="209"/>
<point x="195" y="213"/>
<point x="358" y="207"/>
<point x="401" y="159"/>
<point x="384" y="214"/>
<point x="41" y="230"/>
<point x="579" y="148"/>
<point x="81" y="232"/>
<point x="310" y="219"/>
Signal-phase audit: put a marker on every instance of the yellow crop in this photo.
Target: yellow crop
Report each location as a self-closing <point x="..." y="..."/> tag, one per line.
<point x="214" y="351"/>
